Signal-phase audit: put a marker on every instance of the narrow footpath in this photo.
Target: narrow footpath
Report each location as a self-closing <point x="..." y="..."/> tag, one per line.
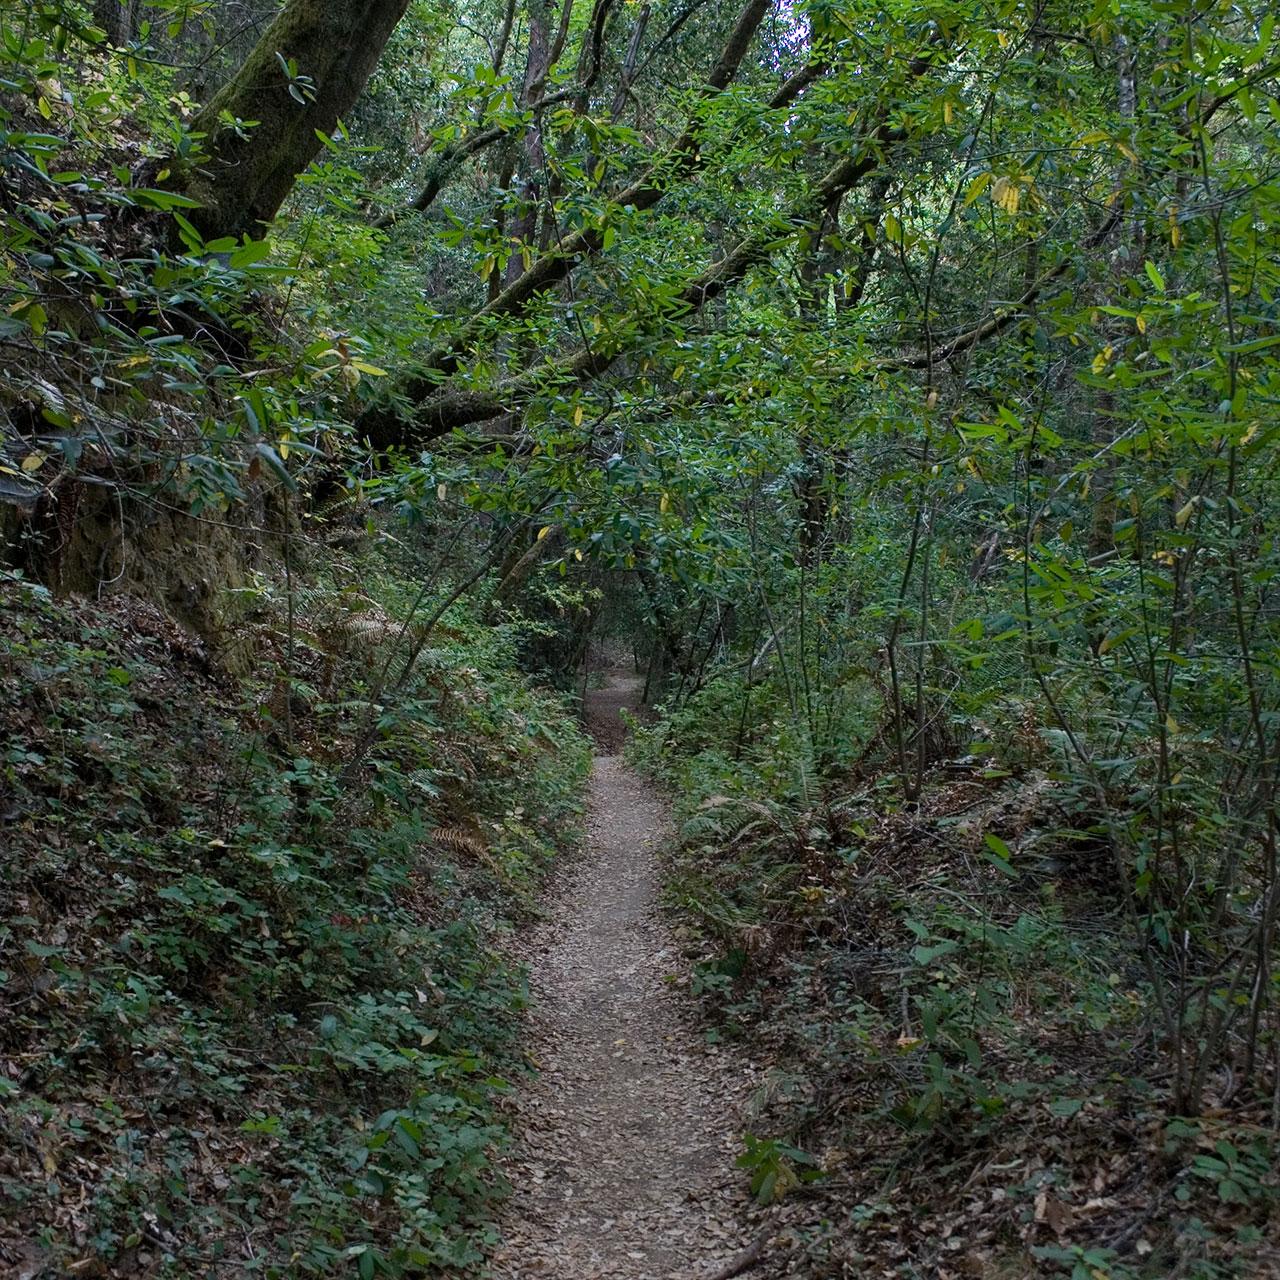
<point x="623" y="1165"/>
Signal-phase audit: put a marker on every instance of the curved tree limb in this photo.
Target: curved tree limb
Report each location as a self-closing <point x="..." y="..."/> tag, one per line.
<point x="438" y="409"/>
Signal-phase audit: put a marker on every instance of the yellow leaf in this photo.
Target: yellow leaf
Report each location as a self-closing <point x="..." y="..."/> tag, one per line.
<point x="1003" y="37"/>
<point x="1006" y="194"/>
<point x="948" y="112"/>
<point x="1102" y="359"/>
<point x="33" y="462"/>
<point x="679" y="373"/>
<point x="441" y="490"/>
<point x="284" y="448"/>
<point x="1175" y="232"/>
<point x="1170" y="723"/>
<point x="665" y="505"/>
<point x="577" y="416"/>
<point x="1142" y="324"/>
<point x="1185" y="513"/>
<point x="577" y="555"/>
<point x="542" y="533"/>
<point x="1127" y="151"/>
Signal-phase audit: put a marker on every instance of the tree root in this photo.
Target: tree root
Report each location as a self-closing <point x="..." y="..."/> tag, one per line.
<point x="743" y="1262"/>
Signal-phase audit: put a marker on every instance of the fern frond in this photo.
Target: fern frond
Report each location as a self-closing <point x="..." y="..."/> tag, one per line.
<point x="459" y="840"/>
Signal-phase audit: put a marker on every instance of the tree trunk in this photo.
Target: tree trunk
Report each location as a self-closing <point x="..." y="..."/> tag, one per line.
<point x="1102" y="539"/>
<point x="524" y="225"/>
<point x="629" y="66"/>
<point x="333" y="46"/>
<point x="118" y="18"/>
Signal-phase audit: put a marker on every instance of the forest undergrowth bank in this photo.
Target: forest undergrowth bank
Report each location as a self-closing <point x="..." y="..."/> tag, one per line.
<point x="256" y="1017"/>
<point x="967" y="1076"/>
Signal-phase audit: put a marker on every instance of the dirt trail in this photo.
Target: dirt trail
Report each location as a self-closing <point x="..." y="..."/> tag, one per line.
<point x="623" y="1168"/>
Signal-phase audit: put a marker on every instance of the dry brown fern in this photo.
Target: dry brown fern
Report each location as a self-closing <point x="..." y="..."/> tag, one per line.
<point x="459" y="840"/>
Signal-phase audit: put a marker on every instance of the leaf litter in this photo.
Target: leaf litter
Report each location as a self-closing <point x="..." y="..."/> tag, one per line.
<point x="623" y="1168"/>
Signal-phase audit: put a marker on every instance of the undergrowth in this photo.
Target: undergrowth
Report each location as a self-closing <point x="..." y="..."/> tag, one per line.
<point x="964" y="1077"/>
<point x="256" y="1020"/>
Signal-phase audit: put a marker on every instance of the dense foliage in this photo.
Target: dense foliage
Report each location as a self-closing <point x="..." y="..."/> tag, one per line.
<point x="257" y="1017"/>
<point x="899" y="378"/>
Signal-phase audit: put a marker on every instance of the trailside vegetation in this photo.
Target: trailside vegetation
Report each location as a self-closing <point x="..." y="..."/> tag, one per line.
<point x="257" y="1013"/>
<point x="899" y="379"/>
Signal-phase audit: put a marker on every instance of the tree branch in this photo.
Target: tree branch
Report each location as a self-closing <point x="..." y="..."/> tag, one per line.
<point x="556" y="264"/>
<point x="446" y="163"/>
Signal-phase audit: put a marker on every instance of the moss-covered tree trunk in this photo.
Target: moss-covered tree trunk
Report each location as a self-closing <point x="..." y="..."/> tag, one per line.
<point x="304" y="75"/>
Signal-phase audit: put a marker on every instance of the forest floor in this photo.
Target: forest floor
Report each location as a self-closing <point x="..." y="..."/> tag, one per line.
<point x="623" y="1168"/>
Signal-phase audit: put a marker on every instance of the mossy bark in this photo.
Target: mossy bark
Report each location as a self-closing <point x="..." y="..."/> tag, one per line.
<point x="252" y="168"/>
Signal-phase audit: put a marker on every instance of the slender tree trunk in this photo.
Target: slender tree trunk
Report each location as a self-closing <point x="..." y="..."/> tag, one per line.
<point x="524" y="225"/>
<point x="1102" y="529"/>
<point x="629" y="65"/>
<point x="334" y="46"/>
<point x="812" y="300"/>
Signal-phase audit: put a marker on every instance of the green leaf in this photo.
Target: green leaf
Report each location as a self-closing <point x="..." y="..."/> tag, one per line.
<point x="998" y="854"/>
<point x="151" y="197"/>
<point x="997" y="846"/>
